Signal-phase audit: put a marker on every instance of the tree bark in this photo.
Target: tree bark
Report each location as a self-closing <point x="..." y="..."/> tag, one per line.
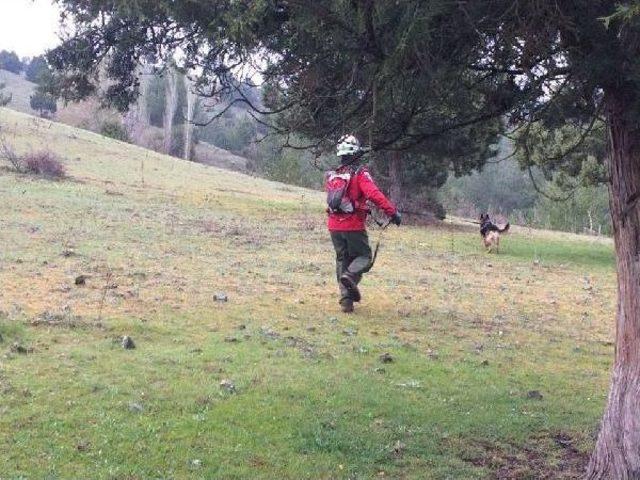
<point x="136" y="120"/>
<point x="170" y="106"/>
<point x="617" y="451"/>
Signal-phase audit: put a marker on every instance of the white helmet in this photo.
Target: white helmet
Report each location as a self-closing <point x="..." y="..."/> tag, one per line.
<point x="348" y="145"/>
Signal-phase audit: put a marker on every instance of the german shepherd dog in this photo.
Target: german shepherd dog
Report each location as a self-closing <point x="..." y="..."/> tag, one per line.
<point x="490" y="233"/>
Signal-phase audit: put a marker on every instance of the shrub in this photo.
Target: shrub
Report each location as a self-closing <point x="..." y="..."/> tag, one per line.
<point x="9" y="154"/>
<point x="41" y="162"/>
<point x="115" y="130"/>
<point x="44" y="163"/>
<point x="43" y="103"/>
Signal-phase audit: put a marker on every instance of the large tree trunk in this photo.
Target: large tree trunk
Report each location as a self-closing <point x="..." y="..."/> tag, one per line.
<point x="170" y="106"/>
<point x="188" y="123"/>
<point x="136" y="120"/>
<point x="617" y="452"/>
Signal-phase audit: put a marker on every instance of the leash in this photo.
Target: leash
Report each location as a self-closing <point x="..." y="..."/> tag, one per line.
<point x="383" y="227"/>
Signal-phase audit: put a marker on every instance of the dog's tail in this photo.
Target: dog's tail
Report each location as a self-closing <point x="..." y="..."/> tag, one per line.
<point x="504" y="229"/>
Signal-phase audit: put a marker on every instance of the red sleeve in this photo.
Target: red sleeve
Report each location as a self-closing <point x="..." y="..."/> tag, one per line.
<point x="371" y="192"/>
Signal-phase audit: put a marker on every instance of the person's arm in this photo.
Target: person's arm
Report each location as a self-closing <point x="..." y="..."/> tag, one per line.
<point x="371" y="192"/>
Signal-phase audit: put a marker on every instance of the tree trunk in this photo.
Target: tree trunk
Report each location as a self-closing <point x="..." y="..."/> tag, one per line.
<point x="170" y="106"/>
<point x="188" y="123"/>
<point x="136" y="120"/>
<point x="617" y="451"/>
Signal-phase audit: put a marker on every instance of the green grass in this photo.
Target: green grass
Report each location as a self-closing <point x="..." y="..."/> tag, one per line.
<point x="471" y="334"/>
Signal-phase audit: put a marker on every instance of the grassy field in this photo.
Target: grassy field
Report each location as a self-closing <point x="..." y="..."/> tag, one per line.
<point x="499" y="363"/>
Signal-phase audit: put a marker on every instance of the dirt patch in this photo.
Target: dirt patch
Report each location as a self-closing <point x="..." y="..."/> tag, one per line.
<point x="553" y="457"/>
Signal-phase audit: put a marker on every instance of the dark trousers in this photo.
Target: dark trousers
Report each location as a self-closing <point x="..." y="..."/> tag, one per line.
<point x="353" y="255"/>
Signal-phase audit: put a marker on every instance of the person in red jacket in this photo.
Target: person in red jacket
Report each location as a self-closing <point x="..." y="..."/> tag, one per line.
<point x="349" y="188"/>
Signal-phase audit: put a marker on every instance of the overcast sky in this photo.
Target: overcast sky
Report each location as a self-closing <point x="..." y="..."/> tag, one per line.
<point x="28" y="27"/>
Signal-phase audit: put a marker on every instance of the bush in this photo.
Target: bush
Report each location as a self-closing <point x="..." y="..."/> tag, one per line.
<point x="43" y="103"/>
<point x="9" y="154"/>
<point x="115" y="130"/>
<point x="44" y="163"/>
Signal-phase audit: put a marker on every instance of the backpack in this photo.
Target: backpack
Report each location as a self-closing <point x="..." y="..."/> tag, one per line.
<point x="336" y="185"/>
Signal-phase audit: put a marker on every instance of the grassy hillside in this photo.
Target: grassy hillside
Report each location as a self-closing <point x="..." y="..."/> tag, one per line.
<point x="499" y="368"/>
<point x="20" y="89"/>
<point x="89" y="115"/>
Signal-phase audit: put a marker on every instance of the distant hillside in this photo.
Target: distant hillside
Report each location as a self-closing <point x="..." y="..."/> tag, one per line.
<point x="20" y="89"/>
<point x="89" y="115"/>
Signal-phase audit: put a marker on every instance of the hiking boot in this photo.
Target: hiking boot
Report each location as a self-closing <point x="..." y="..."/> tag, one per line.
<point x="347" y="305"/>
<point x="349" y="282"/>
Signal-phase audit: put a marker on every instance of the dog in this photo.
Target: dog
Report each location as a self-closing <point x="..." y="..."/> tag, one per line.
<point x="490" y="233"/>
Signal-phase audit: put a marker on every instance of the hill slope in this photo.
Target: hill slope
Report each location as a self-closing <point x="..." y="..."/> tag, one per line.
<point x="499" y="367"/>
<point x="90" y="115"/>
<point x="20" y="89"/>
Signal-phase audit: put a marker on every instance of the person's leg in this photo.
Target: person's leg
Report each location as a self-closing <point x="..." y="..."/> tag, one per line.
<point x="359" y="254"/>
<point x="343" y="260"/>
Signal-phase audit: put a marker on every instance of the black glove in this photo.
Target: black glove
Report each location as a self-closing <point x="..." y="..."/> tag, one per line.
<point x="396" y="219"/>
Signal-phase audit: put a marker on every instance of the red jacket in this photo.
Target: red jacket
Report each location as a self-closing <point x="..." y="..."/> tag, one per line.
<point x="361" y="188"/>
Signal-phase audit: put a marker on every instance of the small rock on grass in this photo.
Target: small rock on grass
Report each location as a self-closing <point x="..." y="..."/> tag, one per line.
<point x="81" y="280"/>
<point x="135" y="407"/>
<point x="83" y="446"/>
<point x="535" y="395"/>
<point x="228" y="385"/>
<point x="220" y="297"/>
<point x="386" y="358"/>
<point x="128" y="343"/>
